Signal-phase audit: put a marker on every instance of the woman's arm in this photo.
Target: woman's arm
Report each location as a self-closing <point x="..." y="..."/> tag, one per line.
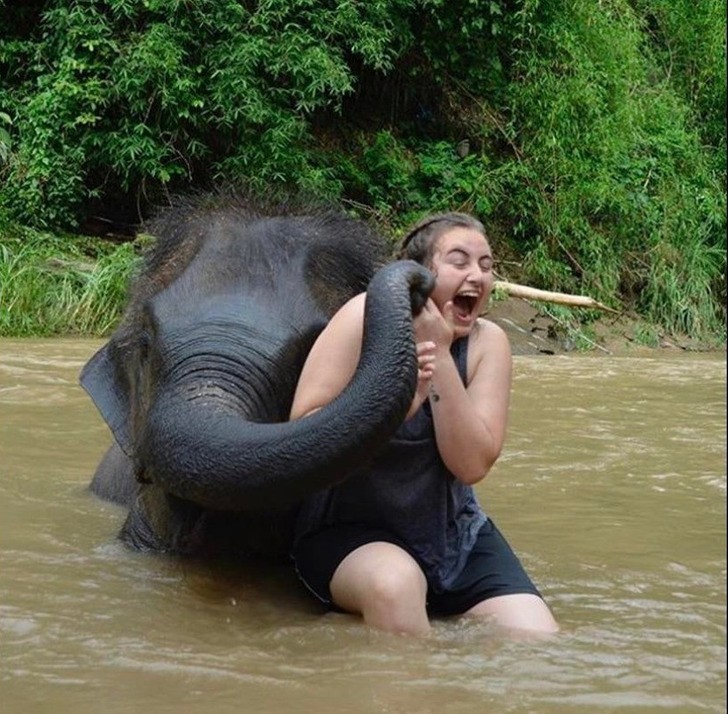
<point x="332" y="361"/>
<point x="334" y="357"/>
<point x="470" y="423"/>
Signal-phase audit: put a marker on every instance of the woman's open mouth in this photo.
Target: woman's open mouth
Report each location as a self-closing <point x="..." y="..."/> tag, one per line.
<point x="465" y="305"/>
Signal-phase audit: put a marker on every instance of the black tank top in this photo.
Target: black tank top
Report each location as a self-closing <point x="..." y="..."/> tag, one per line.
<point x="408" y="491"/>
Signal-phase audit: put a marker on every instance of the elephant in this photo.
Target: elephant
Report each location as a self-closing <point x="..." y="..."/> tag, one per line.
<point x="197" y="381"/>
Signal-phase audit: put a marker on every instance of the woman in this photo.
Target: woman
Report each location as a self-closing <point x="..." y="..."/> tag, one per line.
<point x="405" y="538"/>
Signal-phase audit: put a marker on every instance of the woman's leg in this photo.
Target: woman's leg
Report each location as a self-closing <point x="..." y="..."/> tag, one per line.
<point x="522" y="611"/>
<point x="495" y="584"/>
<point x="384" y="584"/>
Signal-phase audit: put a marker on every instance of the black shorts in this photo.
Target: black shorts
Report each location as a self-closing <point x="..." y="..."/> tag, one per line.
<point x="492" y="569"/>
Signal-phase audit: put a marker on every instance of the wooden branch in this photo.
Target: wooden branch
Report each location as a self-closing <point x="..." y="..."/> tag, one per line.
<point x="528" y="293"/>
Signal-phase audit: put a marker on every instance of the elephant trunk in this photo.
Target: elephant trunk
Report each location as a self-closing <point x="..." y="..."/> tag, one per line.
<point x="223" y="462"/>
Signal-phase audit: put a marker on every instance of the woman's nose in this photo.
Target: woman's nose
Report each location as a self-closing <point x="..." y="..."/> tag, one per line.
<point x="475" y="274"/>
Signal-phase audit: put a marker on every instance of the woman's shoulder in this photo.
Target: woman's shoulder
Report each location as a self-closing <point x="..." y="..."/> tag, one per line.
<point x="487" y="342"/>
<point x="353" y="305"/>
<point x="487" y="334"/>
<point x="351" y="311"/>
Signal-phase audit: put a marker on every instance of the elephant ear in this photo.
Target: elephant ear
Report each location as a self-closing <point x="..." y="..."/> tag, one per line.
<point x="106" y="383"/>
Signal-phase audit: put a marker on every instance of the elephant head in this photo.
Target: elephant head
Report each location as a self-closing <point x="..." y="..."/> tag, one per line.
<point x="197" y="382"/>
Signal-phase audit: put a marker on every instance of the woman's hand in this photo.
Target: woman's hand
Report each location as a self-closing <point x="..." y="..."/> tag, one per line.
<point x="433" y="335"/>
<point x="431" y="325"/>
<point x="425" y="370"/>
<point x="425" y="364"/>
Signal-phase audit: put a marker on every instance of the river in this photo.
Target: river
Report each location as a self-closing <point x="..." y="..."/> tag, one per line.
<point x="611" y="487"/>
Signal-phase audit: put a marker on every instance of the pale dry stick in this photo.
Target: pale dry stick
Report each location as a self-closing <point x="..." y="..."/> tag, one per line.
<point x="528" y="293"/>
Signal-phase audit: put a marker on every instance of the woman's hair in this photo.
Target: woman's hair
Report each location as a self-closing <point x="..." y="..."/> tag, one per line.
<point x="420" y="241"/>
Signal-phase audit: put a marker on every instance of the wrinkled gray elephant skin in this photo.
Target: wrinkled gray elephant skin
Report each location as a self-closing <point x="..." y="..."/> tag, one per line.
<point x="197" y="382"/>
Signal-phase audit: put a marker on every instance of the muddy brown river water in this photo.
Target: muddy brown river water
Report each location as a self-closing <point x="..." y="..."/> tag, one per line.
<point x="612" y="488"/>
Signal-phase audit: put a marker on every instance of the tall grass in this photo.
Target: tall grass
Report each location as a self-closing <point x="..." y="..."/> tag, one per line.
<point x="51" y="286"/>
<point x="681" y="294"/>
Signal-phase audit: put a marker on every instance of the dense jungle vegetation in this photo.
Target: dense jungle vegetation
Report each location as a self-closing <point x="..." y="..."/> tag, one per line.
<point x="588" y="135"/>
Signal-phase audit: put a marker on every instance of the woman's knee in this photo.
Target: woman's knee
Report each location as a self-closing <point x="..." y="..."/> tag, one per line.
<point x="400" y="581"/>
<point x="385" y="584"/>
<point x="396" y="599"/>
<point x="519" y="612"/>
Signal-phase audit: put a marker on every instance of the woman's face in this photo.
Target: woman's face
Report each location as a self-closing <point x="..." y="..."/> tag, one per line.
<point x="463" y="265"/>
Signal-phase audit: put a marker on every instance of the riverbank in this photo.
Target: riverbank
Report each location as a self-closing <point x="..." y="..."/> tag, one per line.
<point x="56" y="286"/>
<point x="532" y="331"/>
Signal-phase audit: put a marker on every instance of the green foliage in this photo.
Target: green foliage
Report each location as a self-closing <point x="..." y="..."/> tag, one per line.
<point x="466" y="40"/>
<point x="612" y="188"/>
<point x="572" y="326"/>
<point x="646" y="335"/>
<point x="5" y="140"/>
<point x="688" y="39"/>
<point x="141" y="97"/>
<point x="402" y="179"/>
<point x="596" y="131"/>
<point x="50" y="285"/>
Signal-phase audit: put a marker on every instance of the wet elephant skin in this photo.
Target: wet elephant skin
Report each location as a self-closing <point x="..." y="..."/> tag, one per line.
<point x="197" y="381"/>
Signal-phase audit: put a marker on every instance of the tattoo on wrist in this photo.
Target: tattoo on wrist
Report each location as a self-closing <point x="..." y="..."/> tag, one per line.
<point x="434" y="396"/>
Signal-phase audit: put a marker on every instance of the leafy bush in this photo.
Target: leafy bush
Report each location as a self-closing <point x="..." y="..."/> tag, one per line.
<point x="140" y="97"/>
<point x="596" y="131"/>
<point x="611" y="189"/>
